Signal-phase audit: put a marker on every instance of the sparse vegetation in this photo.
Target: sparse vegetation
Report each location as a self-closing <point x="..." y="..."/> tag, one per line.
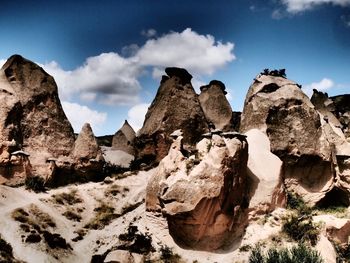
<point x="168" y="256"/>
<point x="245" y="248"/>
<point x="136" y="242"/>
<point x="297" y="254"/>
<point x="299" y="225"/>
<point x="209" y="145"/>
<point x="20" y="215"/>
<point x="275" y="72"/>
<point x="301" y="228"/>
<point x="115" y="189"/>
<point x="343" y="252"/>
<point x="104" y="215"/>
<point x="6" y="253"/>
<point x="72" y="215"/>
<point x="56" y="241"/>
<point x="35" y="183"/>
<point x="338" y="211"/>
<point x="70" y="198"/>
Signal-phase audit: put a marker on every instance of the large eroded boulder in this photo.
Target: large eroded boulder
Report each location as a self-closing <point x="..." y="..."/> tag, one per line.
<point x="45" y="129"/>
<point x="216" y="107"/>
<point x="176" y="106"/>
<point x="123" y="139"/>
<point x="204" y="196"/>
<point x="279" y="108"/>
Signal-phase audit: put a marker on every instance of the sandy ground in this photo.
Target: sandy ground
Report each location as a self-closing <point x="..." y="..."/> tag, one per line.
<point x="100" y="240"/>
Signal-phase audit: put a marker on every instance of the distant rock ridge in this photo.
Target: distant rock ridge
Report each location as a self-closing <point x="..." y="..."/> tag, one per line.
<point x="124" y="138"/>
<point x="176" y="106"/>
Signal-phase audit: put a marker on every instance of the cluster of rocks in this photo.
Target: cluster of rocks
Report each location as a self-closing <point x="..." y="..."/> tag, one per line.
<point x="35" y="134"/>
<point x="177" y="105"/>
<point x="287" y="144"/>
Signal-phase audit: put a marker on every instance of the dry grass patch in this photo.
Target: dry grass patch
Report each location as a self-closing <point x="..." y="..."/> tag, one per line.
<point x="104" y="214"/>
<point x="115" y="189"/>
<point x="70" y="198"/>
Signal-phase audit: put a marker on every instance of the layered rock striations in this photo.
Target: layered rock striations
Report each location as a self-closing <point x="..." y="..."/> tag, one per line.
<point x="204" y="196"/>
<point x="123" y="139"/>
<point x="216" y="108"/>
<point x="45" y="131"/>
<point x="176" y="106"/>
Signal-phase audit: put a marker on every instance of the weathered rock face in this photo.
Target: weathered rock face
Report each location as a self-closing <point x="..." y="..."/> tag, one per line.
<point x="13" y="168"/>
<point x="85" y="146"/>
<point x="216" y="108"/>
<point x="176" y="106"/>
<point x="123" y="139"/>
<point x="204" y="196"/>
<point x="45" y="130"/>
<point x="265" y="182"/>
<point x="84" y="164"/>
<point x="279" y="108"/>
<point x="338" y="106"/>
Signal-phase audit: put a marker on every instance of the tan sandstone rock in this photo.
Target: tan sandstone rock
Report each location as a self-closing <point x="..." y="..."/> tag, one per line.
<point x="216" y="107"/>
<point x="45" y="130"/>
<point x="265" y="174"/>
<point x="176" y="106"/>
<point x="204" y="196"/>
<point x="279" y="108"/>
<point x="123" y="139"/>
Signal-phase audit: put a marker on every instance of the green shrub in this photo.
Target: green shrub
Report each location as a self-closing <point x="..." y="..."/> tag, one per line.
<point x="298" y="254"/>
<point x="35" y="183"/>
<point x="301" y="228"/>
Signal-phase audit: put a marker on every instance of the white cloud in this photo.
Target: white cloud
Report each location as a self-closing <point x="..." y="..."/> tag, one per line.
<point x="136" y="115"/>
<point x="296" y="6"/>
<point x="107" y="78"/>
<point x="149" y="33"/>
<point x="323" y="85"/>
<point x="2" y="62"/>
<point x="78" y="115"/>
<point x="346" y="20"/>
<point x="199" y="54"/>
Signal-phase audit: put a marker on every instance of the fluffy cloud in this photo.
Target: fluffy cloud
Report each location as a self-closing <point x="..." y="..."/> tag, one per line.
<point x="2" y="62"/>
<point x="149" y="33"/>
<point x="112" y="79"/>
<point x="95" y="118"/>
<point x="323" y="85"/>
<point x="136" y="115"/>
<point x="107" y="78"/>
<point x="200" y="54"/>
<point x="296" y="6"/>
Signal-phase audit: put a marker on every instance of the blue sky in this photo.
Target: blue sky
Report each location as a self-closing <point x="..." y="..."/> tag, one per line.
<point x="107" y="56"/>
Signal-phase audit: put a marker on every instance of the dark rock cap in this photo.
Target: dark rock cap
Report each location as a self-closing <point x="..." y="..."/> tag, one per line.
<point x="179" y="72"/>
<point x="216" y="83"/>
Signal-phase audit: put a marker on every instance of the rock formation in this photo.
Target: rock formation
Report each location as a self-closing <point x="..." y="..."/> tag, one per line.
<point x="44" y="129"/>
<point x="265" y="183"/>
<point x="297" y="134"/>
<point x="123" y="139"/>
<point x="216" y="108"/>
<point x="176" y="106"/>
<point x="204" y="196"/>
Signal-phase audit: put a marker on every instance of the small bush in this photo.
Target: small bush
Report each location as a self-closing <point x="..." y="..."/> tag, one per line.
<point x="35" y="183"/>
<point x="6" y="254"/>
<point x="71" y="215"/>
<point x="70" y="198"/>
<point x="168" y="256"/>
<point x="301" y="228"/>
<point x="104" y="215"/>
<point x="298" y="254"/>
